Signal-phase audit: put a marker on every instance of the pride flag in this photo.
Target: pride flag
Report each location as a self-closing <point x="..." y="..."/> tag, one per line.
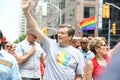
<point x="88" y="24"/>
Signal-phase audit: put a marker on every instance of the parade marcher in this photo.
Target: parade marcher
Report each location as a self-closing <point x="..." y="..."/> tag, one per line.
<point x="63" y="61"/>
<point x="28" y="54"/>
<point x="6" y="46"/>
<point x="90" y="36"/>
<point x="96" y="66"/>
<point x="75" y="42"/>
<point x="12" y="49"/>
<point x="8" y="64"/>
<point x="113" y="70"/>
<point x="87" y="54"/>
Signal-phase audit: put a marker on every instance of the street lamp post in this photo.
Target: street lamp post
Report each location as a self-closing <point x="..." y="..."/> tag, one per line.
<point x="109" y="30"/>
<point x="113" y="5"/>
<point x="58" y="10"/>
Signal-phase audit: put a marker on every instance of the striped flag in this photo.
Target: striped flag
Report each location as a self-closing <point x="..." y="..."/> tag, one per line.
<point x="88" y="24"/>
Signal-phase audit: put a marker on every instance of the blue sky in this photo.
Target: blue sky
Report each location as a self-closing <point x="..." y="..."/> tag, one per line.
<point x="9" y="18"/>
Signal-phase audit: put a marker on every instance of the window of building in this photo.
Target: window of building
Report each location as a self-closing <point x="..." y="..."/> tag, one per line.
<point x="71" y="14"/>
<point x="89" y="11"/>
<point x="72" y="0"/>
<point x="73" y="10"/>
<point x="62" y="4"/>
<point x="88" y="32"/>
<point x="23" y="22"/>
<point x="63" y="18"/>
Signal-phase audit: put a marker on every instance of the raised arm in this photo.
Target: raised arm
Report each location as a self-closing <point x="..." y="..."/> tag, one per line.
<point x="33" y="26"/>
<point x="115" y="50"/>
<point x="33" y="8"/>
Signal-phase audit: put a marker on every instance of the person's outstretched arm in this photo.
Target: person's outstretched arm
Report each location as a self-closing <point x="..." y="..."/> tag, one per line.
<point x="34" y="27"/>
<point x="115" y="49"/>
<point x="113" y="70"/>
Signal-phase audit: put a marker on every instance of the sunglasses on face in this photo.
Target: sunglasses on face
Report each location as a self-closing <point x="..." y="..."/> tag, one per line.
<point x="83" y="42"/>
<point x="8" y="46"/>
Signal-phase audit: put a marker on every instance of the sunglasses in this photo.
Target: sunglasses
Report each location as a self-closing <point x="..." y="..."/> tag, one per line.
<point x="8" y="46"/>
<point x="83" y="42"/>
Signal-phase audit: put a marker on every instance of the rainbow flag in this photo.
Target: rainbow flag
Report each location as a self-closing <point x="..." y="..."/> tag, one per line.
<point x="88" y="24"/>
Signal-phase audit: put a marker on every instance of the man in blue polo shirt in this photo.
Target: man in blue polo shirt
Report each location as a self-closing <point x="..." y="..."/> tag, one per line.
<point x="88" y="55"/>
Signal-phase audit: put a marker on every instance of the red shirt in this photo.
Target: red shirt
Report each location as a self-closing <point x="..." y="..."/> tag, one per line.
<point x="41" y="69"/>
<point x="98" y="70"/>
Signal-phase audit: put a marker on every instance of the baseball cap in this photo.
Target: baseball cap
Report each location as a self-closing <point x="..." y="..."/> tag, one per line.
<point x="3" y="39"/>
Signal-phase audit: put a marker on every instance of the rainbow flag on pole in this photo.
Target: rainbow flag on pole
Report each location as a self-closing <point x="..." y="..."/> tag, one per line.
<point x="88" y="24"/>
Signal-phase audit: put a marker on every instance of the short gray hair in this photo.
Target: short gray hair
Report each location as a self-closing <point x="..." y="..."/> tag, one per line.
<point x="71" y="30"/>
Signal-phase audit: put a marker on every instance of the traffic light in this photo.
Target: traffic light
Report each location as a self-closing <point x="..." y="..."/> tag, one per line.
<point x="44" y="30"/>
<point x="106" y="11"/>
<point x="114" y="28"/>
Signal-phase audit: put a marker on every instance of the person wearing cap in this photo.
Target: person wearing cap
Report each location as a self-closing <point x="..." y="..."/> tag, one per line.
<point x="6" y="45"/>
<point x="29" y="54"/>
<point x="8" y="64"/>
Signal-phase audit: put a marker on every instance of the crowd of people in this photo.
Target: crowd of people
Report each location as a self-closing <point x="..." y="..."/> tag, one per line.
<point x="8" y="65"/>
<point x="38" y="57"/>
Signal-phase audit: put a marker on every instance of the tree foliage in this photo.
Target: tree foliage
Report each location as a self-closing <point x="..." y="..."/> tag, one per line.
<point x="21" y="38"/>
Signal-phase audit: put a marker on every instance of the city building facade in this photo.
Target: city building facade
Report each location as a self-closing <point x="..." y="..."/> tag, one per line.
<point x="74" y="11"/>
<point x="65" y="11"/>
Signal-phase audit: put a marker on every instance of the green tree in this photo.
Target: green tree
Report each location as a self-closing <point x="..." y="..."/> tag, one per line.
<point x="21" y="38"/>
